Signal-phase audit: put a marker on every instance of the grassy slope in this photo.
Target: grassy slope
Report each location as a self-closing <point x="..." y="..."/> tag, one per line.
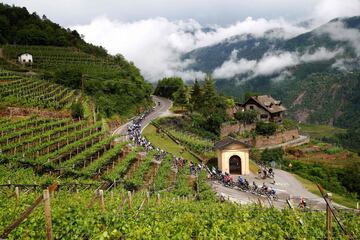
<point x="163" y="141"/>
<point x="320" y="131"/>
<point x="336" y="197"/>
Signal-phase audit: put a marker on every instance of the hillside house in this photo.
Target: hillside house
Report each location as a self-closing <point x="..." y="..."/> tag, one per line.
<point x="25" y="58"/>
<point x="268" y="108"/>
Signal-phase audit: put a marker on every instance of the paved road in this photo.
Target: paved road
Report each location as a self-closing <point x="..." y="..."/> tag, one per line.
<point x="161" y="109"/>
<point x="286" y="185"/>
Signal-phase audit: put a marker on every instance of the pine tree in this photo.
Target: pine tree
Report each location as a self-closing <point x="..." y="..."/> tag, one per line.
<point x="196" y="96"/>
<point x="209" y="97"/>
<point x="181" y="96"/>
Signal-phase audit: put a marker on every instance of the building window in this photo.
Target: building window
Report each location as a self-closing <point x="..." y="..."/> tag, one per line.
<point x="264" y="116"/>
<point x="251" y="107"/>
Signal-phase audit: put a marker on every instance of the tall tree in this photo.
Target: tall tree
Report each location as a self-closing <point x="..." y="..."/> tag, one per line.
<point x="166" y="87"/>
<point x="209" y="97"/>
<point x="181" y="96"/>
<point x="196" y="96"/>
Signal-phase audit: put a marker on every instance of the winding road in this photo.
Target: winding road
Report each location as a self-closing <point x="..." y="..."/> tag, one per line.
<point x="286" y="184"/>
<point x="162" y="106"/>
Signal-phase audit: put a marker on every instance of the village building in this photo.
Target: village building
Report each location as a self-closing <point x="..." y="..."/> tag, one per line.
<point x="25" y="58"/>
<point x="269" y="109"/>
<point x="233" y="156"/>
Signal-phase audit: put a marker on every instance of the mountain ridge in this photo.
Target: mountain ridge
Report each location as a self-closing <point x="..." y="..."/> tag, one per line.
<point x="318" y="54"/>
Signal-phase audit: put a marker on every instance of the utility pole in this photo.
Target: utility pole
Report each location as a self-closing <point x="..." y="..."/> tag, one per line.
<point x="82" y="87"/>
<point x="328" y="217"/>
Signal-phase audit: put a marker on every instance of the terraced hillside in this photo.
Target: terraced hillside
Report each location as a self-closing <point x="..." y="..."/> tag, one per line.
<point x="73" y="149"/>
<point x="32" y="92"/>
<point x="115" y="85"/>
<point x="52" y="57"/>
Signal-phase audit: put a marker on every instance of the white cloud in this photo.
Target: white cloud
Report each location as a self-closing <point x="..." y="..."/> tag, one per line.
<point x="234" y="67"/>
<point x="271" y="63"/>
<point x="156" y="45"/>
<point x="320" y="54"/>
<point x="327" y="10"/>
<point x="339" y="32"/>
<point x="282" y="76"/>
<point x="274" y="63"/>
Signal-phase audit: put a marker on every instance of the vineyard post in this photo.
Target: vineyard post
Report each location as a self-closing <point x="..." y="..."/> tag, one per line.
<point x="23" y="215"/>
<point x="130" y="199"/>
<point x="47" y="211"/>
<point x="102" y="202"/>
<point x="147" y="197"/>
<point x="333" y="212"/>
<point x="158" y="200"/>
<point x="17" y="195"/>
<point x="328" y="217"/>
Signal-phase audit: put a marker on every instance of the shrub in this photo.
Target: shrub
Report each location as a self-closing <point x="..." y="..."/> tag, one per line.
<point x="334" y="150"/>
<point x="77" y="110"/>
<point x="289" y="124"/>
<point x="269" y="155"/>
<point x="266" y="129"/>
<point x="246" y="117"/>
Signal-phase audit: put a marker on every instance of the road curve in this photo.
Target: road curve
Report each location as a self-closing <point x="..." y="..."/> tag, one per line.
<point x="162" y="108"/>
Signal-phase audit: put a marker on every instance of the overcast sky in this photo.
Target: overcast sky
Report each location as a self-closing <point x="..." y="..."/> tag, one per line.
<point x="155" y="33"/>
<point x="74" y="12"/>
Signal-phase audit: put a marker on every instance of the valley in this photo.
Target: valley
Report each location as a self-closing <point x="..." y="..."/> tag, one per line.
<point x="91" y="148"/>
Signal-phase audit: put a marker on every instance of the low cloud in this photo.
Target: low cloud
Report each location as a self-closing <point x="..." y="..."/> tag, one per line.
<point x="327" y="10"/>
<point x="156" y="45"/>
<point x="337" y="31"/>
<point x="271" y="63"/>
<point x="234" y="67"/>
<point x="275" y="63"/>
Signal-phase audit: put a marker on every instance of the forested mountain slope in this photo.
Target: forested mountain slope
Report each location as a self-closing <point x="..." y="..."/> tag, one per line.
<point x="62" y="56"/>
<point x="315" y="74"/>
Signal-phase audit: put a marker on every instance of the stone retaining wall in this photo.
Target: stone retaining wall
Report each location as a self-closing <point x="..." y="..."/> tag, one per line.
<point x="228" y="128"/>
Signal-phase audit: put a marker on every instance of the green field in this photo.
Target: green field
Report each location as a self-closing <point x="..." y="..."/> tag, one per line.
<point x="320" y="131"/>
<point x="164" y="142"/>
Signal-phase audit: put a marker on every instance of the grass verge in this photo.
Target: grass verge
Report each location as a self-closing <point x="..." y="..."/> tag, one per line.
<point x="310" y="186"/>
<point x="253" y="167"/>
<point x="162" y="141"/>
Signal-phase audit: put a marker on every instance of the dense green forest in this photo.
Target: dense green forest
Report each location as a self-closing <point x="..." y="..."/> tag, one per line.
<point x="18" y="26"/>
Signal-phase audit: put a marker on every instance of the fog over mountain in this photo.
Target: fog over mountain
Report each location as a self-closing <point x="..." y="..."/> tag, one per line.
<point x="162" y="32"/>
